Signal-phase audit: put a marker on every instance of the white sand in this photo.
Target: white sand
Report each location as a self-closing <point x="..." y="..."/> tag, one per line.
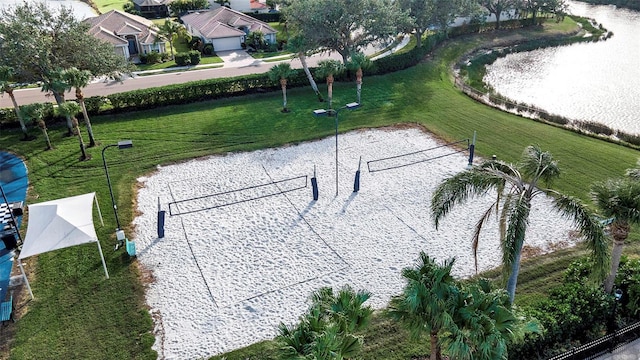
<point x="226" y="277"/>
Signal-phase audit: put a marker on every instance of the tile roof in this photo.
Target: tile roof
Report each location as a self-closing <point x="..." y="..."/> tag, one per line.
<point x="151" y="2"/>
<point x="224" y="22"/>
<point x="115" y="24"/>
<point x="257" y="5"/>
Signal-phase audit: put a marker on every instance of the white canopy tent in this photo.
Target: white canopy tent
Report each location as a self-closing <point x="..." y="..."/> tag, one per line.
<point x="58" y="224"/>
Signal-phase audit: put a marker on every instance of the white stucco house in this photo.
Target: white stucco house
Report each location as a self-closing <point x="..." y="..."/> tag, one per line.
<point x="225" y="28"/>
<point x="130" y="35"/>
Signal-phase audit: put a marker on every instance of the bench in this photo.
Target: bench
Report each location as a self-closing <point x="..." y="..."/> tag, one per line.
<point x="6" y="310"/>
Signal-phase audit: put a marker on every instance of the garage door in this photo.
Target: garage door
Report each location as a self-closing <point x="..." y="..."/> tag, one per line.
<point x="227" y="44"/>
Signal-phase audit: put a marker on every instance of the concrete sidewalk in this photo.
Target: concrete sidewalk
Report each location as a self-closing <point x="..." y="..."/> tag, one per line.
<point x="630" y="351"/>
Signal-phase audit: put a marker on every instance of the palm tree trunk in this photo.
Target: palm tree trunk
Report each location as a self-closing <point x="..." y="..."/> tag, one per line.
<point x="620" y="233"/>
<point x="435" y="347"/>
<point x="305" y="67"/>
<point x="418" y="35"/>
<point x="80" y="98"/>
<point x="330" y="90"/>
<point x="358" y="84"/>
<point x="513" y="277"/>
<point x="60" y="100"/>
<point x="17" y="110"/>
<point x="43" y="127"/>
<point x="283" y="84"/>
<point x="616" y="254"/>
<point x="83" y="151"/>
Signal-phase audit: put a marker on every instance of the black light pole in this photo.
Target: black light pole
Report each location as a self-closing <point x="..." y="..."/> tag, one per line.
<point x="124" y="144"/>
<point x="322" y="112"/>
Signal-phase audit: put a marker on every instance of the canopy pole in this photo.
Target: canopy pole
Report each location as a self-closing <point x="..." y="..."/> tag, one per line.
<point x="95" y="197"/>
<point x="26" y="281"/>
<point x="102" y="257"/>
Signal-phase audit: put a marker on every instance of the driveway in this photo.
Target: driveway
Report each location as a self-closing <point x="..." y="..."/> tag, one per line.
<point x="237" y="58"/>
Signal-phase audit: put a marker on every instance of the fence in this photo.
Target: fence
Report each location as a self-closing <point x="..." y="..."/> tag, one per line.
<point x="602" y="345"/>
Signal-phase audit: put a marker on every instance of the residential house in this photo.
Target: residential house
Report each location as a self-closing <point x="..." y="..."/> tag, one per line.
<point x="225" y="28"/>
<point x="245" y="6"/>
<point x="152" y="9"/>
<point x="131" y="35"/>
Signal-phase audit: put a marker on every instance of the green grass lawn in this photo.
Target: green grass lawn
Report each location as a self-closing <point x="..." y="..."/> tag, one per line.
<point x="105" y="6"/>
<point x="78" y="314"/>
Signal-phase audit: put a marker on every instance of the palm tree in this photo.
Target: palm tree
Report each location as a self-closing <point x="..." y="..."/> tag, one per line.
<point x="169" y="31"/>
<point x="516" y="186"/>
<point x="326" y="330"/>
<point x="79" y="79"/>
<point x="358" y="62"/>
<point x="35" y="112"/>
<point x="618" y="199"/>
<point x="300" y="46"/>
<point x="54" y="83"/>
<point x="425" y="304"/>
<point x="327" y="69"/>
<point x="6" y="86"/>
<point x="486" y="324"/>
<point x="281" y="72"/>
<point x="71" y="109"/>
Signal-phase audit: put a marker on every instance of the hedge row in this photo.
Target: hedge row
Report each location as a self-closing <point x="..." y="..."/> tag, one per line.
<point x="227" y="87"/>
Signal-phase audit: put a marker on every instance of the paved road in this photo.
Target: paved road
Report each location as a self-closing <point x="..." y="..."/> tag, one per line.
<point x="236" y="63"/>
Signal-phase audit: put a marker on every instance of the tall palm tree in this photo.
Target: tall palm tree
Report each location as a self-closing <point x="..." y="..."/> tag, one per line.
<point x="358" y="62"/>
<point x="170" y="31"/>
<point x="516" y="186"/>
<point x="35" y="112"/>
<point x="6" y="86"/>
<point x="618" y="199"/>
<point x="281" y="72"/>
<point x="301" y="46"/>
<point x="425" y="305"/>
<point x="54" y="83"/>
<point x="79" y="79"/>
<point x="71" y="109"/>
<point x="327" y="69"/>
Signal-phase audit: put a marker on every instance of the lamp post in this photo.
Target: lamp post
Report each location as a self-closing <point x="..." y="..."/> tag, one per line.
<point x="124" y="144"/>
<point x="322" y="112"/>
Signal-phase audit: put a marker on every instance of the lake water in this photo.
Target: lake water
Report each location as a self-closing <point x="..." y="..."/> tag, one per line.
<point x="598" y="82"/>
<point x="80" y="9"/>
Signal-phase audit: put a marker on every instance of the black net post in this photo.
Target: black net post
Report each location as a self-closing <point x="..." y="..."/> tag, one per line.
<point x="161" y="215"/>
<point x="314" y="184"/>
<point x="356" y="181"/>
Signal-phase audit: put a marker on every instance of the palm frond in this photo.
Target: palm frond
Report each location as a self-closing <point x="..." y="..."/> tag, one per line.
<point x="590" y="228"/>
<point x="538" y="164"/>
<point x="459" y="188"/>
<point x="478" y="228"/>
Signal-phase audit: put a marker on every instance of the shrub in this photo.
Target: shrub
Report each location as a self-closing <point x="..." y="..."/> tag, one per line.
<point x="594" y="127"/>
<point x="630" y="138"/>
<point x="194" y="57"/>
<point x="182" y="59"/>
<point x="208" y="50"/>
<point x="151" y="58"/>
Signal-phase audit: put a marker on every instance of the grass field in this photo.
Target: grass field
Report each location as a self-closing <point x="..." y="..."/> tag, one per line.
<point x="105" y="6"/>
<point x="78" y="314"/>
